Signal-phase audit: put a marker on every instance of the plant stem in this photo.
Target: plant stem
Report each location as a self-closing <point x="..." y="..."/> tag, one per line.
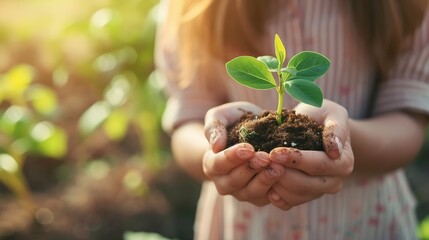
<point x="281" y="93"/>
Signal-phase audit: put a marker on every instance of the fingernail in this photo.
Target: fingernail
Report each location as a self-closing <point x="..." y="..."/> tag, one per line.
<point x="279" y="156"/>
<point x="244" y="153"/>
<point x="274" y="196"/>
<point x="272" y="172"/>
<point x="339" y="144"/>
<point x="214" y="135"/>
<point x="259" y="162"/>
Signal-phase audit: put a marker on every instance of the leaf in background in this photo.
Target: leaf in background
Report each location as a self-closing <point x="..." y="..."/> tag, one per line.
<point x="116" y="124"/>
<point x="15" y="83"/>
<point x="13" y="118"/>
<point x="134" y="183"/>
<point x="250" y="72"/>
<point x="11" y="177"/>
<point x="60" y="76"/>
<point x="8" y="164"/>
<point x="143" y="235"/>
<point x="93" y="117"/>
<point x="51" y="140"/>
<point x="44" y="99"/>
<point x="97" y="168"/>
<point x="424" y="228"/>
<point x="118" y="91"/>
<point x="305" y="91"/>
<point x="280" y="51"/>
<point x="309" y="65"/>
<point x="271" y="62"/>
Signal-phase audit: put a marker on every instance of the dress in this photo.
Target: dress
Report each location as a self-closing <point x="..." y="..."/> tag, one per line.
<point x="366" y="208"/>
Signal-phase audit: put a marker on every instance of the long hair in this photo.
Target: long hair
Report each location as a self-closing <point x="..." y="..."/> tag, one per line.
<point x="212" y="28"/>
<point x="385" y="25"/>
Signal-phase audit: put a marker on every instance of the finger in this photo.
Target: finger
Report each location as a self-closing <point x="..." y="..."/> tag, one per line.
<point x="259" y="186"/>
<point x="334" y="118"/>
<point x="216" y="134"/>
<point x="300" y="183"/>
<point x="315" y="163"/>
<point x="277" y="201"/>
<point x="296" y="187"/>
<point x="218" y="118"/>
<point x="333" y="137"/>
<point x="239" y="178"/>
<point x="223" y="162"/>
<point x="287" y="200"/>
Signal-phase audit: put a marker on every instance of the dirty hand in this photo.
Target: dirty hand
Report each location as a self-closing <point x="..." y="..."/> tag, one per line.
<point x="238" y="170"/>
<point x="310" y="174"/>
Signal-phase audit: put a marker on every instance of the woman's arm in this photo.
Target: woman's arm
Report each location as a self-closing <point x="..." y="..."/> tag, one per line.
<point x="188" y="146"/>
<point x="387" y="142"/>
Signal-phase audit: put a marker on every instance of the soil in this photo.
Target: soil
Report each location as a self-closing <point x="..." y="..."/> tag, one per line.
<point x="100" y="208"/>
<point x="264" y="133"/>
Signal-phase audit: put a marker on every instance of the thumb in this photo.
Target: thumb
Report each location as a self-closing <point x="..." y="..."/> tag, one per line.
<point x="216" y="134"/>
<point x="333" y="139"/>
<point x="217" y="120"/>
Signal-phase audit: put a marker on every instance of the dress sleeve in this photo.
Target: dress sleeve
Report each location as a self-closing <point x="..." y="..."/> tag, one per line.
<point x="200" y="93"/>
<point x="407" y="86"/>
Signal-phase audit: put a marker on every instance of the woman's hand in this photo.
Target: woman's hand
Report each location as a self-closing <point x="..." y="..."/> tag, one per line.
<point x="310" y="174"/>
<point x="238" y="170"/>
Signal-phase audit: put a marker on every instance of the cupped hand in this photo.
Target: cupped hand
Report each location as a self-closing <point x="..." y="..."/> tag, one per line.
<point x="238" y="170"/>
<point x="310" y="174"/>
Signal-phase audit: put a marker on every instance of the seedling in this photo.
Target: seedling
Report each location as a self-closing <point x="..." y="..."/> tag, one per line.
<point x="297" y="78"/>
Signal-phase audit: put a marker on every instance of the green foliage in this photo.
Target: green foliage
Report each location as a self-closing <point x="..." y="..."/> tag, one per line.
<point x="424" y="228"/>
<point x="297" y="79"/>
<point x="96" y="54"/>
<point x="143" y="236"/>
<point x="25" y="126"/>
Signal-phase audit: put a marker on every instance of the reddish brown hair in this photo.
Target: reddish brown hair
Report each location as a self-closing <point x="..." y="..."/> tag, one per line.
<point x="234" y="25"/>
<point x="385" y="25"/>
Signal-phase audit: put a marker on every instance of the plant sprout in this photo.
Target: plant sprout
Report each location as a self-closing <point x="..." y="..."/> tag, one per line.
<point x="297" y="78"/>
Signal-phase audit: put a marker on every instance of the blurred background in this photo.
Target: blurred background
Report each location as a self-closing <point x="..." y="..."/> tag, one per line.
<point x="82" y="154"/>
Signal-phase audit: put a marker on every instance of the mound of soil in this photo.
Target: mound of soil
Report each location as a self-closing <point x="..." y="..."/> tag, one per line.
<point x="264" y="133"/>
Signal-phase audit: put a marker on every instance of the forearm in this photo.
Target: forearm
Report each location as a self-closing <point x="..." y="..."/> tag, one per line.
<point x="188" y="146"/>
<point x="386" y="143"/>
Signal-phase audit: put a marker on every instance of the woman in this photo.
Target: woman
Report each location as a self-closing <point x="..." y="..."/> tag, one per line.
<point x="376" y="103"/>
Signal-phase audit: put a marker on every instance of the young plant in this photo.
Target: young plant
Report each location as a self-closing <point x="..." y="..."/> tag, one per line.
<point x="297" y="78"/>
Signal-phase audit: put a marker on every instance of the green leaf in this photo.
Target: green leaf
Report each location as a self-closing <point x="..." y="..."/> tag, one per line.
<point x="288" y="73"/>
<point x="116" y="124"/>
<point x="309" y="65"/>
<point x="305" y="91"/>
<point x="15" y="83"/>
<point x="43" y="99"/>
<point x="143" y="235"/>
<point x="93" y="117"/>
<point x="8" y="164"/>
<point x="280" y="51"/>
<point x="11" y="176"/>
<point x="250" y="72"/>
<point x="271" y="62"/>
<point x="51" y="140"/>
<point x="424" y="228"/>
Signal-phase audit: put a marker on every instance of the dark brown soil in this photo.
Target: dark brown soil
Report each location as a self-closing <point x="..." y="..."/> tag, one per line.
<point x="264" y="133"/>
